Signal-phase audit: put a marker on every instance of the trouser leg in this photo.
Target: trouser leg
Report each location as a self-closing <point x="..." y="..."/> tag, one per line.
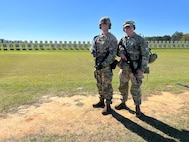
<point x="136" y="94"/>
<point x="123" y="88"/>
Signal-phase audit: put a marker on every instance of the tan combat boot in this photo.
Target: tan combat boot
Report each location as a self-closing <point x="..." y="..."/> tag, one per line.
<point x="100" y="104"/>
<point x="107" y="110"/>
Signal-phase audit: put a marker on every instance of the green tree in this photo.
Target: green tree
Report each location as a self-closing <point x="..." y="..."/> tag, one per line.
<point x="166" y="38"/>
<point x="177" y="36"/>
<point x="185" y="37"/>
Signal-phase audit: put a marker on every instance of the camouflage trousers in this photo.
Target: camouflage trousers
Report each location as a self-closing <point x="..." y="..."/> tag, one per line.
<point x="104" y="82"/>
<point x="126" y="75"/>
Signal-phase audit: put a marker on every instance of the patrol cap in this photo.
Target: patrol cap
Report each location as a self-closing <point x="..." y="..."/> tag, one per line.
<point x="130" y="24"/>
<point x="105" y="20"/>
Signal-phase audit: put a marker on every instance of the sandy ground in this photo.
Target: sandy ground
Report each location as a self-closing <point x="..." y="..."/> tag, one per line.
<point x="61" y="114"/>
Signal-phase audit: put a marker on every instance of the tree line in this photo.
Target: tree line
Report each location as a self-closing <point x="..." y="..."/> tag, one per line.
<point x="177" y="36"/>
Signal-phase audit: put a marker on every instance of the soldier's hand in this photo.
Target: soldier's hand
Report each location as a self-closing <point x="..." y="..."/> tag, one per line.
<point x="98" y="66"/>
<point x="140" y="72"/>
<point x="123" y="57"/>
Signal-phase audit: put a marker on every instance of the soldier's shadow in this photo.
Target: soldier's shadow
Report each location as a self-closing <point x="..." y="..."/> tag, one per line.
<point x="182" y="135"/>
<point x="142" y="132"/>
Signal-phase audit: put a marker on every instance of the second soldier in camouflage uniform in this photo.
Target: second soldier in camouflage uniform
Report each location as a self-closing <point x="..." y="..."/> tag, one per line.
<point x="133" y="63"/>
<point x="104" y="50"/>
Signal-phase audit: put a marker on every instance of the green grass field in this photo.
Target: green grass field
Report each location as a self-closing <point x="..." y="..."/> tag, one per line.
<point x="25" y="76"/>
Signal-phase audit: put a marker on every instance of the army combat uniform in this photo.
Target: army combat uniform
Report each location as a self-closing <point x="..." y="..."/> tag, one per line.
<point x="104" y="50"/>
<point x="134" y="49"/>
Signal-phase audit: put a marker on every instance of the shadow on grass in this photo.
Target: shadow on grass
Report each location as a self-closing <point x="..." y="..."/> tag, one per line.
<point x="142" y="132"/>
<point x="182" y="135"/>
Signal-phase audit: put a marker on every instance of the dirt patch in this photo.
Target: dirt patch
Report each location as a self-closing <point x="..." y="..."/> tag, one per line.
<point x="63" y="114"/>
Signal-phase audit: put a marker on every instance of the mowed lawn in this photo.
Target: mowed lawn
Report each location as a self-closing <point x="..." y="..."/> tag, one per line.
<point x="25" y="76"/>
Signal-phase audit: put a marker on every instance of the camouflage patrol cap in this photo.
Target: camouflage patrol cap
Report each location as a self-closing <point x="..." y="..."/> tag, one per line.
<point x="129" y="23"/>
<point x="105" y="20"/>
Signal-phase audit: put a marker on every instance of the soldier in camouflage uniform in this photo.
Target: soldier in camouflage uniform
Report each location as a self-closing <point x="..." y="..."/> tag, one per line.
<point x="104" y="50"/>
<point x="133" y="62"/>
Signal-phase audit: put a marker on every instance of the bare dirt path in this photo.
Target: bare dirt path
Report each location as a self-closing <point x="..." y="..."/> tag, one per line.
<point x="74" y="114"/>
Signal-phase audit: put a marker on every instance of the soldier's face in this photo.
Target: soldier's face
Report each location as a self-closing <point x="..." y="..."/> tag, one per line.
<point x="104" y="27"/>
<point x="129" y="31"/>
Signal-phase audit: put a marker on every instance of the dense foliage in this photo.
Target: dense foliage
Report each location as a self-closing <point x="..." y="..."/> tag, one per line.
<point x="177" y="36"/>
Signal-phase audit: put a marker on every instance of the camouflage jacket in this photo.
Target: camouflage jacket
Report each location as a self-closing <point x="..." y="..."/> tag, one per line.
<point x="135" y="49"/>
<point x="104" y="49"/>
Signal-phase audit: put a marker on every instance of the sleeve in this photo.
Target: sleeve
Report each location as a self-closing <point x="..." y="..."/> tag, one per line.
<point x="93" y="47"/>
<point x="144" y="54"/>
